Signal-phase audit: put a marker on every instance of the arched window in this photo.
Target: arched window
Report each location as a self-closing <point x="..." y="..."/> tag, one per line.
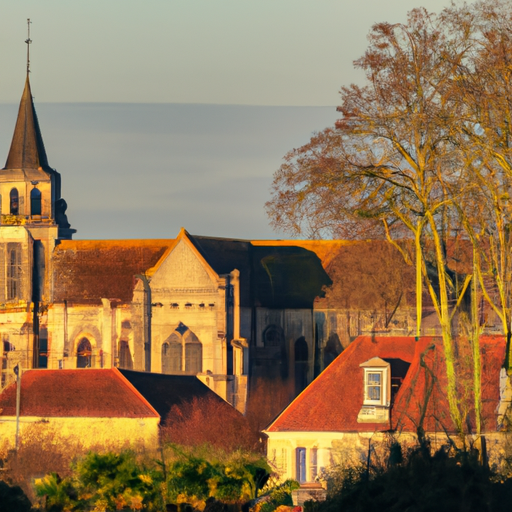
<point x="14" y="202"/>
<point x="172" y="355"/>
<point x="193" y="354"/>
<point x="273" y="336"/>
<point x="84" y="354"/>
<point x="35" y="202"/>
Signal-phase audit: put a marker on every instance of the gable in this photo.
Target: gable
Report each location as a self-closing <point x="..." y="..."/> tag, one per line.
<point x="182" y="268"/>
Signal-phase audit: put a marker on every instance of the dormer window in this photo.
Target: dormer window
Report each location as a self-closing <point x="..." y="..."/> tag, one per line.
<point x="377" y="380"/>
<point x="376" y="385"/>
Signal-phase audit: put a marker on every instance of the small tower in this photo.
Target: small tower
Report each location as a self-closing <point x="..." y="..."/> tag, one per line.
<point x="30" y="190"/>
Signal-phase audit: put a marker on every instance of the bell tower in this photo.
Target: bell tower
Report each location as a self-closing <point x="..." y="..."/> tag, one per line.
<point x="32" y="220"/>
<point x="30" y="190"/>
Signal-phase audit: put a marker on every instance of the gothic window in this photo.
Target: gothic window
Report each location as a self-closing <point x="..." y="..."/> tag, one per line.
<point x="166" y="360"/>
<point x="182" y="352"/>
<point x="273" y="336"/>
<point x="193" y="354"/>
<point x="14" y="202"/>
<point x="175" y="353"/>
<point x="13" y="271"/>
<point x="35" y="202"/>
<point x="172" y="355"/>
<point x="84" y="354"/>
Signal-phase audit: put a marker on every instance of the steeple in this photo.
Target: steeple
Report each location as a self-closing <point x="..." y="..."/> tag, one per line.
<point x="27" y="147"/>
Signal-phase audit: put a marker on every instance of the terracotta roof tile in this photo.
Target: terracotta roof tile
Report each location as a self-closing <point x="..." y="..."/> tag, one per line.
<point x="98" y="393"/>
<point x="331" y="403"/>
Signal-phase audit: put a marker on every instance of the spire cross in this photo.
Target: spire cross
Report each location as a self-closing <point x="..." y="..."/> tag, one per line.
<point x="28" y="41"/>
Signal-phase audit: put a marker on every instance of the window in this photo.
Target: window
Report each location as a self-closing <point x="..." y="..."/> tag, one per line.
<point x="193" y="356"/>
<point x="172" y="355"/>
<point x="43" y="348"/>
<point x="376" y="383"/>
<point x="182" y="352"/>
<point x="273" y="336"/>
<point x="14" y="202"/>
<point x="84" y="354"/>
<point x="374" y="386"/>
<point x="13" y="271"/>
<point x="35" y="202"/>
<point x="313" y="463"/>
<point x="300" y="472"/>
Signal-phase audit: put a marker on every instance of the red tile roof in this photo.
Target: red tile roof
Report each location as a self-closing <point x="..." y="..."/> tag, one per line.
<point x="95" y="393"/>
<point x="86" y="270"/>
<point x="331" y="403"/>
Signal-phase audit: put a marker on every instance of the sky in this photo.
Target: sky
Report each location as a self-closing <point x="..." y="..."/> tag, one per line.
<point x="169" y="113"/>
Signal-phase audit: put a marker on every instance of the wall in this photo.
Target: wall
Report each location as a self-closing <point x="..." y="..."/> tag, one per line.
<point x="351" y="448"/>
<point x="90" y="432"/>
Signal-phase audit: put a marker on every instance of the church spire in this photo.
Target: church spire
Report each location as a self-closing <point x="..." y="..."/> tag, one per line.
<point x="27" y="148"/>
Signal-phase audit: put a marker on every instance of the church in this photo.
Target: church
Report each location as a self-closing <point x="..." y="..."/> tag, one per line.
<point x="242" y="315"/>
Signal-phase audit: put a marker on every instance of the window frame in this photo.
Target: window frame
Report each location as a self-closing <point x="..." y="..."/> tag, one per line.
<point x="384" y="371"/>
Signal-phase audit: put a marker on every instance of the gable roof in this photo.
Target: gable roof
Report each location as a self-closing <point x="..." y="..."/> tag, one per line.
<point x="89" y="270"/>
<point x="331" y="403"/>
<point x="97" y="393"/>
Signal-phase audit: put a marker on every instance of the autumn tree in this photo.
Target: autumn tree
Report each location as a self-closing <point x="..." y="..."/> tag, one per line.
<point x="390" y="162"/>
<point x="484" y="81"/>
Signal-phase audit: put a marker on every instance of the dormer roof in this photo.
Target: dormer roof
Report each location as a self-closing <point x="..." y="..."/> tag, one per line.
<point x="27" y="152"/>
<point x="374" y="362"/>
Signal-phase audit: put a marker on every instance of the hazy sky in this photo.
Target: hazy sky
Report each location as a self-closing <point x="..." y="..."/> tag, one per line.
<point x="250" y="52"/>
<point x="131" y="169"/>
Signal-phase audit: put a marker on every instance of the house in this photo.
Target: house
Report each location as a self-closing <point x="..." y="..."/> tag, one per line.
<point x="96" y="407"/>
<point x="382" y="386"/>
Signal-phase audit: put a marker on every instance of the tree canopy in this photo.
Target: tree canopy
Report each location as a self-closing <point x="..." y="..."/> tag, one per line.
<point x="421" y="156"/>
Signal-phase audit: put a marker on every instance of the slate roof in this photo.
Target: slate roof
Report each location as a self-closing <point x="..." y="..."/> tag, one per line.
<point x="27" y="156"/>
<point x="96" y="393"/>
<point x="164" y="391"/>
<point x="89" y="270"/>
<point x="271" y="275"/>
<point x="331" y="403"/>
